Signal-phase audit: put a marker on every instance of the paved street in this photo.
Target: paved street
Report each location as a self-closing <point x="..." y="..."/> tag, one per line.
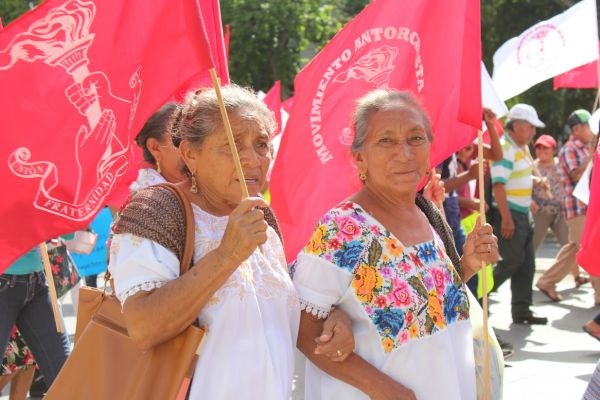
<point x="550" y="362"/>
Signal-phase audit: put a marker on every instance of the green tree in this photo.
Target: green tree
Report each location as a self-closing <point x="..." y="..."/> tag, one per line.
<point x="271" y="40"/>
<point x="504" y="19"/>
<point x="11" y="9"/>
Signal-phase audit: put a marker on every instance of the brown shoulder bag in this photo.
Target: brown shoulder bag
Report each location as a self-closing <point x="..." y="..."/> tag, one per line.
<point x="106" y="364"/>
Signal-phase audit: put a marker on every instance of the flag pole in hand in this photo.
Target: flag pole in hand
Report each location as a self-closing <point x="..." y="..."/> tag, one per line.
<point x="230" y="139"/>
<point x="486" y="350"/>
<point x="51" y="287"/>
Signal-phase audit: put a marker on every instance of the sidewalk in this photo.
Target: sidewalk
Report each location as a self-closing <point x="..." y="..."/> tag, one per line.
<point x="550" y="362"/>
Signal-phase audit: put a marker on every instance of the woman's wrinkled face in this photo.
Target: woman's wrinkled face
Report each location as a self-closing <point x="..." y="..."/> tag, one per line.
<point x="215" y="170"/>
<point x="395" y="156"/>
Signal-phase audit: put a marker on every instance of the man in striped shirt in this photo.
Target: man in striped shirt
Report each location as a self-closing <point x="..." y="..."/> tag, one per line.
<point x="512" y="185"/>
<point x="573" y="158"/>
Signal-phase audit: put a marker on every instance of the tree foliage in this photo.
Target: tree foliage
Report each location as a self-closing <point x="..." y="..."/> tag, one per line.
<point x="11" y="9"/>
<point x="270" y="40"/>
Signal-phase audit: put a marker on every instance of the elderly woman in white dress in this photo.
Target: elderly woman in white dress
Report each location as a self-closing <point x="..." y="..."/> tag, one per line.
<point x="387" y="258"/>
<point x="239" y="286"/>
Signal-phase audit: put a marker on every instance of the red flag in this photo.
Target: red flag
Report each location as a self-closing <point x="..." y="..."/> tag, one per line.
<point x="79" y="79"/>
<point x="288" y="104"/>
<point x="226" y="41"/>
<point x="273" y="101"/>
<point x="426" y="48"/>
<point x="211" y="13"/>
<point x="588" y="256"/>
<point x="583" y="77"/>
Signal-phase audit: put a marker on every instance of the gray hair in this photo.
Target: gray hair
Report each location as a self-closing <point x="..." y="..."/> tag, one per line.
<point x="382" y="100"/>
<point x="200" y="116"/>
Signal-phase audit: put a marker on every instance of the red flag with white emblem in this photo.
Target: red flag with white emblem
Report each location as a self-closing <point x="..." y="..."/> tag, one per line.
<point x="431" y="48"/>
<point x="79" y="78"/>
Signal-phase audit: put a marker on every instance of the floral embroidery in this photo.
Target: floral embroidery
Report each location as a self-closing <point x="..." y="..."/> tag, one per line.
<point x="366" y="280"/>
<point x="407" y="292"/>
<point x="392" y="245"/>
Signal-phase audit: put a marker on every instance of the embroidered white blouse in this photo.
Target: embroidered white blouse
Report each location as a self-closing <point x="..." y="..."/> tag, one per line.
<point x="146" y="177"/>
<point x="252" y="319"/>
<point x="408" y="306"/>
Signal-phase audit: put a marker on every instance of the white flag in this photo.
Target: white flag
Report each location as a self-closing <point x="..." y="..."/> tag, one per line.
<point x="547" y="49"/>
<point x="489" y="94"/>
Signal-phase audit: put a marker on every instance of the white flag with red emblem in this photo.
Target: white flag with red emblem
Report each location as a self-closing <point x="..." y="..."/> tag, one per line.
<point x="547" y="49"/>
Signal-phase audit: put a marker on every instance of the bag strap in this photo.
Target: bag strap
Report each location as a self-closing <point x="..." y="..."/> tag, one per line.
<point x="190" y="226"/>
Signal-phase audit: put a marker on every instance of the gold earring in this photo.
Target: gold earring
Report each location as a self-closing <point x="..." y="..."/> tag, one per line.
<point x="362" y="176"/>
<point x="158" y="167"/>
<point x="194" y="188"/>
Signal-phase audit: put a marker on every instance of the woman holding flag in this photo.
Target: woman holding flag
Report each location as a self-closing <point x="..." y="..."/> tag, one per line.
<point x="238" y="287"/>
<point x="386" y="257"/>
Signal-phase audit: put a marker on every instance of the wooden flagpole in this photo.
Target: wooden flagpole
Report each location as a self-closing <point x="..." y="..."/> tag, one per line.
<point x="51" y="287"/>
<point x="486" y="350"/>
<point x="236" y="157"/>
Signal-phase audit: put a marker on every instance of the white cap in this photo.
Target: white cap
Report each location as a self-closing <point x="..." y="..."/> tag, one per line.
<point x="525" y="112"/>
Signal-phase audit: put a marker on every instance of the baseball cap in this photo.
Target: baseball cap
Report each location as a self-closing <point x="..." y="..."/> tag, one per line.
<point x="525" y="112"/>
<point x="546" y="141"/>
<point x="577" y="117"/>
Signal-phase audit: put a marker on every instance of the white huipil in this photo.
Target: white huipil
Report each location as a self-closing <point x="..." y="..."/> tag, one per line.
<point x="252" y="319"/>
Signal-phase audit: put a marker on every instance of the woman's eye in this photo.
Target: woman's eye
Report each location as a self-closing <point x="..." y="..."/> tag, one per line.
<point x="385" y="140"/>
<point x="416" y="140"/>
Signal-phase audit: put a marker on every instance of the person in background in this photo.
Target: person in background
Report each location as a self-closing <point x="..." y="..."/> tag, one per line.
<point x="546" y="205"/>
<point x="25" y="302"/>
<point x="454" y="180"/>
<point x="573" y="158"/>
<point x="158" y="150"/>
<point x="17" y="367"/>
<point x="512" y="188"/>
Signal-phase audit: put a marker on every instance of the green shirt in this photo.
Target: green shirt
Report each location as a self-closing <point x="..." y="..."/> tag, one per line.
<point x="28" y="263"/>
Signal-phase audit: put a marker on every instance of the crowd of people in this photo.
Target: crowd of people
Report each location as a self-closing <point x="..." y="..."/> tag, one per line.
<point x="377" y="300"/>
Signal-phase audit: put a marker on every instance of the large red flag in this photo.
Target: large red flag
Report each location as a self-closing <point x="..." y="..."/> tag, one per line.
<point x="583" y="77"/>
<point x="79" y="78"/>
<point x="589" y="256"/>
<point x="429" y="48"/>
<point x="273" y="101"/>
<point x="211" y="14"/>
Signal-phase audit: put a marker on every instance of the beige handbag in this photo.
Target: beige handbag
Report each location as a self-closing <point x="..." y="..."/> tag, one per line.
<point x="106" y="364"/>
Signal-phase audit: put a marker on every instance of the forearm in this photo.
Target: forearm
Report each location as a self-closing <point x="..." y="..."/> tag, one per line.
<point x="471" y="204"/>
<point x="493" y="151"/>
<point x="501" y="201"/>
<point x="154" y="317"/>
<point x="354" y="370"/>
<point x="452" y="184"/>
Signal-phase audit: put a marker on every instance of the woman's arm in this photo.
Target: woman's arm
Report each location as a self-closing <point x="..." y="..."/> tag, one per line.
<point x="354" y="371"/>
<point x="156" y="316"/>
<point x="493" y="152"/>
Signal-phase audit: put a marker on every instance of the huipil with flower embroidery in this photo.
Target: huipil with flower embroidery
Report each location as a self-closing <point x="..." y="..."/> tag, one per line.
<point x="409" y="308"/>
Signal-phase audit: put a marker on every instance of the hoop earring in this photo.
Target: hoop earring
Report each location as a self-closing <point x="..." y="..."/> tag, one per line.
<point x="158" y="167"/>
<point x="362" y="176"/>
<point x="194" y="188"/>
